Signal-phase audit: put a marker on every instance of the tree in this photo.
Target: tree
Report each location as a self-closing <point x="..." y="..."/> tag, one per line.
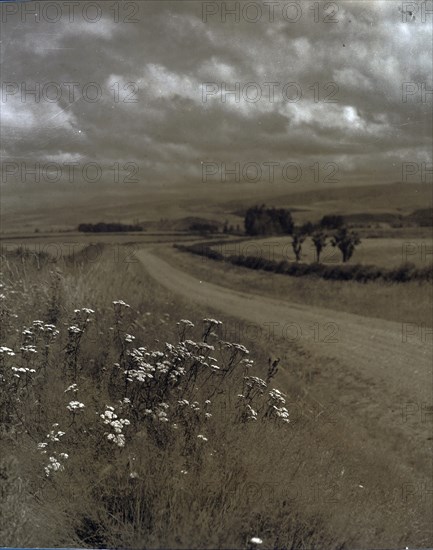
<point x="297" y="239"/>
<point x="307" y="228"/>
<point x="260" y="220"/>
<point x="332" y="222"/>
<point x="346" y="241"/>
<point x="319" y="241"/>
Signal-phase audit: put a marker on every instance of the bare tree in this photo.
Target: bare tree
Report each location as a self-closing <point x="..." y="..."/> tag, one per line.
<point x="346" y="241"/>
<point x="297" y="239"/>
<point x="319" y="241"/>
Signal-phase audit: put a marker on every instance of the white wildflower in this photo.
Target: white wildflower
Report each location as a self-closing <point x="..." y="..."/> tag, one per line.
<point x="75" y="406"/>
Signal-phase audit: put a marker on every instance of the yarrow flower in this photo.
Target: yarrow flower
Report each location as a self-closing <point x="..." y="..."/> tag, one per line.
<point x="6" y="350"/>
<point x="212" y="322"/>
<point x="75" y="406"/>
<point x="186" y="322"/>
<point x="120" y="303"/>
<point x="54" y="464"/>
<point x="256" y="540"/>
<point x="202" y="437"/>
<point x="110" y="418"/>
<point x="28" y="349"/>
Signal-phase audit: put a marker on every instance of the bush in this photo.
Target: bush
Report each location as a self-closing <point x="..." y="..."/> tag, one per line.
<point x="356" y="272"/>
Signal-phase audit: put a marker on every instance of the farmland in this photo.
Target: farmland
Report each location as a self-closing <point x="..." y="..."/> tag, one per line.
<point x="352" y="361"/>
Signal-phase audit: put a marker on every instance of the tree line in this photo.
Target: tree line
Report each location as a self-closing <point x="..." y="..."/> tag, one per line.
<point x="103" y="227"/>
<point x="260" y="220"/>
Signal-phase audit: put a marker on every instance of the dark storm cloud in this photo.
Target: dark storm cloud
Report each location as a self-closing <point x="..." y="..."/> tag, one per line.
<point x="175" y="60"/>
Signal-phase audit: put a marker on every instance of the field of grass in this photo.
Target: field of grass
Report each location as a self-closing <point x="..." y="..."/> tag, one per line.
<point x="122" y="424"/>
<point x="382" y="252"/>
<point x="71" y="477"/>
<point x="58" y="207"/>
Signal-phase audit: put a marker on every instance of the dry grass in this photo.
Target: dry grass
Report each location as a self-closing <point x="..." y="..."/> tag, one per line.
<point x="390" y="301"/>
<point x="381" y="252"/>
<point x="179" y="472"/>
<point x="280" y="482"/>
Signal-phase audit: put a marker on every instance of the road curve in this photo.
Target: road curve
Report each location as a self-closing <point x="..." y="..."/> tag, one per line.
<point x="374" y="347"/>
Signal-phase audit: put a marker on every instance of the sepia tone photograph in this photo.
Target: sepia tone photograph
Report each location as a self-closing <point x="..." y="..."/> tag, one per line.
<point x="216" y="281"/>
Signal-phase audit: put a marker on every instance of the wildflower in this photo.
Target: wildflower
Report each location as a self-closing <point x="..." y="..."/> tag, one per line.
<point x="207" y="415"/>
<point x="120" y="303"/>
<point x="202" y="437"/>
<point x="72" y="387"/>
<point x="133" y="475"/>
<point x="212" y="322"/>
<point x="206" y="346"/>
<point x="8" y="351"/>
<point x="184" y="472"/>
<point x="53" y="466"/>
<point x="251" y="413"/>
<point x="186" y="322"/>
<point x="241" y="348"/>
<point x="118" y="439"/>
<point x="256" y="540"/>
<point x="74" y="330"/>
<point x="87" y="310"/>
<point x="54" y="436"/>
<point x="75" y="406"/>
<point x="28" y="349"/>
<point x="23" y="370"/>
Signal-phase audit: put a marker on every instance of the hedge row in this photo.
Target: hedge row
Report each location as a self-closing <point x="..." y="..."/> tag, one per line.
<point x="356" y="272"/>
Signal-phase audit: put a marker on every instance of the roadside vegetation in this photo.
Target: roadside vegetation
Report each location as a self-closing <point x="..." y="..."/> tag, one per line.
<point x="122" y="432"/>
<point x="355" y="272"/>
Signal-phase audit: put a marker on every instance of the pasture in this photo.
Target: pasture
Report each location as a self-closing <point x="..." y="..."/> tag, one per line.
<point x="381" y="252"/>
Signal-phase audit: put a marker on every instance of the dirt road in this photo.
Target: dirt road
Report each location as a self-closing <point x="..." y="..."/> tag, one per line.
<point x="376" y="373"/>
<point x="399" y="356"/>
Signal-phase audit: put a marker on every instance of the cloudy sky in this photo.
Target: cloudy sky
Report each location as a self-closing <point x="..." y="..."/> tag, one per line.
<point x="314" y="87"/>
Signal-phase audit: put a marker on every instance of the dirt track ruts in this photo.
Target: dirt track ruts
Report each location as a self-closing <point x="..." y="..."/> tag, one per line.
<point x="374" y="347"/>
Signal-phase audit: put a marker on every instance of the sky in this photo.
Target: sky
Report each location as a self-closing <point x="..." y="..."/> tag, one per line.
<point x="335" y="93"/>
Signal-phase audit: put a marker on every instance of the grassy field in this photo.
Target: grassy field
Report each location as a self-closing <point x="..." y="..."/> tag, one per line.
<point x="382" y="252"/>
<point x="160" y="486"/>
<point x="170" y="470"/>
<point x="58" y="207"/>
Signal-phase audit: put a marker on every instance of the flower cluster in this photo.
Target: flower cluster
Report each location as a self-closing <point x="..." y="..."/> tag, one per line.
<point x="54" y="465"/>
<point x="75" y="406"/>
<point x="6" y="350"/>
<point x="276" y="406"/>
<point x="110" y="418"/>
